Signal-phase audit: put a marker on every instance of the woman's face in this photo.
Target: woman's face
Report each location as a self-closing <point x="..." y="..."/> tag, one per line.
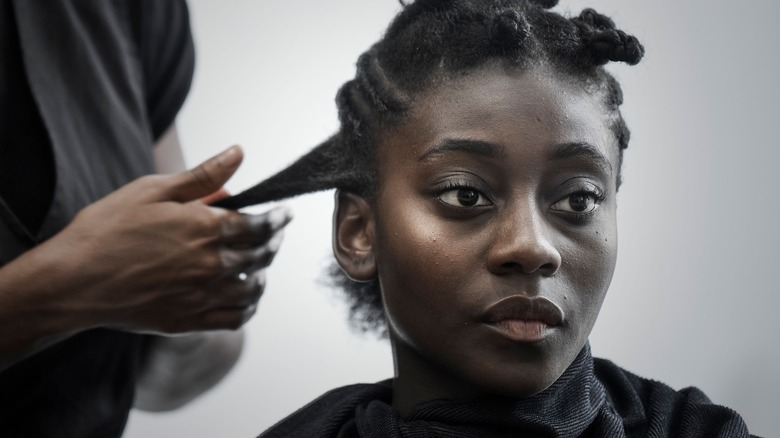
<point x="495" y="238"/>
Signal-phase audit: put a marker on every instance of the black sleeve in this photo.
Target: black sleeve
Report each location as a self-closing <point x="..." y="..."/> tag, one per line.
<point x="162" y="32"/>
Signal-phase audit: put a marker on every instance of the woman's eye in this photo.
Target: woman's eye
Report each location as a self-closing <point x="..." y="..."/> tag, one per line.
<point x="579" y="203"/>
<point x="464" y="197"/>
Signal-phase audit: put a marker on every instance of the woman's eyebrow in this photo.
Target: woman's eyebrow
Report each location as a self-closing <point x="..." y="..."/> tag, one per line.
<point x="475" y="147"/>
<point x="585" y="150"/>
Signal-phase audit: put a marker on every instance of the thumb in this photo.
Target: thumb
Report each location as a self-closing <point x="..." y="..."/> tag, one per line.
<point x="206" y="178"/>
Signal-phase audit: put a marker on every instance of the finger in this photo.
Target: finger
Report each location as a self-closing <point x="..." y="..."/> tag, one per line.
<point x="214" y="197"/>
<point x="257" y="280"/>
<point x="238" y="290"/>
<point x="240" y="259"/>
<point x="242" y="230"/>
<point x="204" y="179"/>
<point x="234" y="227"/>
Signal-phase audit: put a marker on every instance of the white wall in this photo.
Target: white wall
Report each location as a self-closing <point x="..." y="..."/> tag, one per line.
<point x="695" y="297"/>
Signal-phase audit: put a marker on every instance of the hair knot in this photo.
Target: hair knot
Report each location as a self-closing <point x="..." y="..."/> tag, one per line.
<point x="508" y="30"/>
<point x="616" y="45"/>
<point x="595" y="20"/>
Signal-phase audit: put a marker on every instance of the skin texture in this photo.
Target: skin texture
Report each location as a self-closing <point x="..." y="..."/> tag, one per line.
<point x="151" y="257"/>
<point x="495" y="141"/>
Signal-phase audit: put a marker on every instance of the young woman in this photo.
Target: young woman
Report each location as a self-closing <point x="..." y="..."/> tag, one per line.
<point x="477" y="167"/>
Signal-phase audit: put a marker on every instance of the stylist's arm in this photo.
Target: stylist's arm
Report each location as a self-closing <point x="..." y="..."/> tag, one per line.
<point x="148" y="258"/>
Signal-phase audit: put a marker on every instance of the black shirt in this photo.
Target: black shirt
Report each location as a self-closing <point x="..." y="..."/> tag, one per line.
<point x="594" y="398"/>
<point x="26" y="162"/>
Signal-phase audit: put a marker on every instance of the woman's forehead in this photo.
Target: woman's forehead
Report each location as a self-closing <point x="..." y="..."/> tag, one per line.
<point x="506" y="108"/>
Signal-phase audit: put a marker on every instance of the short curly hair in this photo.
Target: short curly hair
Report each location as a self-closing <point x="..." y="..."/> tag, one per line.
<point x="428" y="42"/>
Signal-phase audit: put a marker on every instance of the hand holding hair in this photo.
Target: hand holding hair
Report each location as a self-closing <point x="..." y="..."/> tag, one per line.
<point x="197" y="267"/>
<point x="151" y="257"/>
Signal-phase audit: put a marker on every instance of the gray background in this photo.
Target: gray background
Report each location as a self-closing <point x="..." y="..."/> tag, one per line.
<point x="695" y="297"/>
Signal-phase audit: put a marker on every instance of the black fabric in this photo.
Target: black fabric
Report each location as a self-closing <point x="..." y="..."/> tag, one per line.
<point x="652" y="409"/>
<point x="105" y="79"/>
<point x="161" y="33"/>
<point x="61" y="72"/>
<point x="591" y="399"/>
<point x="81" y="387"/>
<point x="26" y="161"/>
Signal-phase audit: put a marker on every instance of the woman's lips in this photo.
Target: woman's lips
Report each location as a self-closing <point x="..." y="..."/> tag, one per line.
<point x="523" y="331"/>
<point x="524" y="319"/>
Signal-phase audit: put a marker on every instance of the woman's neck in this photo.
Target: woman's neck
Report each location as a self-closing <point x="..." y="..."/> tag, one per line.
<point x="418" y="380"/>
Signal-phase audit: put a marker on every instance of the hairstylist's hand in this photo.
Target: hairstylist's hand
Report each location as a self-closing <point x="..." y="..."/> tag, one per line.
<point x="153" y="257"/>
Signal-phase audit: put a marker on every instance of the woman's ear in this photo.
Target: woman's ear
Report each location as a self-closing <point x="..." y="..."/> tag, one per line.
<point x="353" y="236"/>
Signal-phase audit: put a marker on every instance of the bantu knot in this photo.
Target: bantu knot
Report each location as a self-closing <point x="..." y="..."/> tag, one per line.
<point x="546" y="4"/>
<point x="615" y="45"/>
<point x="508" y="30"/>
<point x="596" y="20"/>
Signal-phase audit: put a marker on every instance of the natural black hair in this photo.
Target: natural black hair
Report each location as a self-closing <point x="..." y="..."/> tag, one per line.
<point x="428" y="42"/>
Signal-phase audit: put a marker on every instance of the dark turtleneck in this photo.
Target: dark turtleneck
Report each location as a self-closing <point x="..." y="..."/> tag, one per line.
<point x="593" y="398"/>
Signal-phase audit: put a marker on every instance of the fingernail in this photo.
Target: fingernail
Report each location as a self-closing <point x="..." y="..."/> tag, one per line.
<point x="276" y="241"/>
<point x="230" y="158"/>
<point x="219" y="212"/>
<point x="279" y="217"/>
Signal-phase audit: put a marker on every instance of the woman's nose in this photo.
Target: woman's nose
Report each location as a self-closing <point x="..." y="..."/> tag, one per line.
<point x="522" y="244"/>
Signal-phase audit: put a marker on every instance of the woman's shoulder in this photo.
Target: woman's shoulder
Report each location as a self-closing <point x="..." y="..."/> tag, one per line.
<point x="325" y="415"/>
<point x="652" y="408"/>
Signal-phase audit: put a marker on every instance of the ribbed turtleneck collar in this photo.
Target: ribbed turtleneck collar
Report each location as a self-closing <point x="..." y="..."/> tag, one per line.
<point x="565" y="409"/>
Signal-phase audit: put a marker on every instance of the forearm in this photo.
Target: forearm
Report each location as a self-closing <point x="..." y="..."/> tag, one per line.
<point x="33" y="314"/>
<point x="178" y="369"/>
